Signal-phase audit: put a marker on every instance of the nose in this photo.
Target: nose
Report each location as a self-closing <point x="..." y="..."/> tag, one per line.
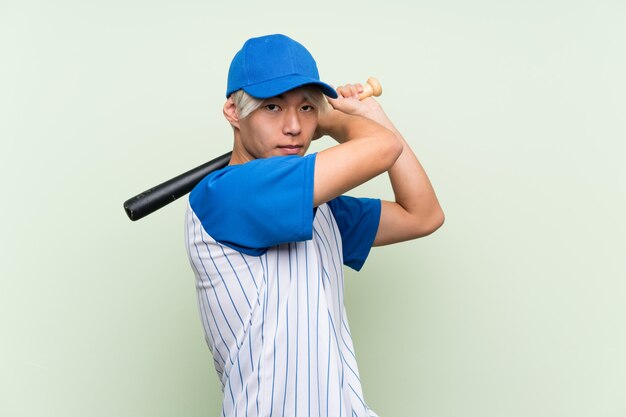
<point x="291" y="122"/>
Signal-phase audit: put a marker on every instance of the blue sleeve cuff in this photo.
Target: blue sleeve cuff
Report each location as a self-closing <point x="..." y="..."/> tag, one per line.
<point x="358" y="220"/>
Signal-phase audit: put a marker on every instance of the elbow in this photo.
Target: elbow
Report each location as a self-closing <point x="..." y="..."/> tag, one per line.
<point x="430" y="224"/>
<point x="438" y="219"/>
<point x="393" y="150"/>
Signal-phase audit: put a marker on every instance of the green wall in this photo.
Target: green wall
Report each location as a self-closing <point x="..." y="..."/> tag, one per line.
<point x="515" y="308"/>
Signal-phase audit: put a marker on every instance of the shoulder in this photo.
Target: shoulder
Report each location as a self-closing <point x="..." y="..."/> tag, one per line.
<point x="257" y="172"/>
<point x="257" y="204"/>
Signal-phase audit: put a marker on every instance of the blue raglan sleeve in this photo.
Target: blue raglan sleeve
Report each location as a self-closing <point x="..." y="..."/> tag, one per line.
<point x="259" y="204"/>
<point x="357" y="220"/>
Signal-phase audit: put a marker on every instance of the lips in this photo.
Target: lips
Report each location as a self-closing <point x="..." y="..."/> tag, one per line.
<point x="290" y="149"/>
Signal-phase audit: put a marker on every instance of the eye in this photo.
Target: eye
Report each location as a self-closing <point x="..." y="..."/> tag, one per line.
<point x="272" y="107"/>
<point x="307" y="108"/>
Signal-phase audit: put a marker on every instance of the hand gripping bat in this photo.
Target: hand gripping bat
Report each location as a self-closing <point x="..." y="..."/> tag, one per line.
<point x="161" y="195"/>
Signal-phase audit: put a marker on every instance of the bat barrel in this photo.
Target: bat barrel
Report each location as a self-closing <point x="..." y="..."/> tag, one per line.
<point x="161" y="195"/>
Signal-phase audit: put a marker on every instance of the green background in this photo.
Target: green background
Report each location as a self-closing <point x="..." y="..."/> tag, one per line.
<point x="516" y="307"/>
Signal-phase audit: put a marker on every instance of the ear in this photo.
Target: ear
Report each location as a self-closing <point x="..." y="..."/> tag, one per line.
<point x="230" y="113"/>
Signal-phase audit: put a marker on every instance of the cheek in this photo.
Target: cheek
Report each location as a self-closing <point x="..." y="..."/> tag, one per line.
<point x="244" y="128"/>
<point x="258" y="139"/>
<point x="251" y="130"/>
<point x="310" y="124"/>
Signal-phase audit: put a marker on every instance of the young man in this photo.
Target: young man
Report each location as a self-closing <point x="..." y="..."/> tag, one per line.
<point x="267" y="236"/>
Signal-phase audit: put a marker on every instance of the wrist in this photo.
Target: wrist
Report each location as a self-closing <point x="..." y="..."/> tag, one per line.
<point x="332" y="123"/>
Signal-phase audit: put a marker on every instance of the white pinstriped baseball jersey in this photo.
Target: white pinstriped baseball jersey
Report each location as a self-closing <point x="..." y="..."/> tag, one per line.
<point x="274" y="316"/>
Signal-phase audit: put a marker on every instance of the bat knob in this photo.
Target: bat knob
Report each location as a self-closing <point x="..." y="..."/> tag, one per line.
<point x="371" y="88"/>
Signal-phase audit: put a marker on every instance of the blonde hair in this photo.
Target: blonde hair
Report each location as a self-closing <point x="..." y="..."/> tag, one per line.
<point x="246" y="104"/>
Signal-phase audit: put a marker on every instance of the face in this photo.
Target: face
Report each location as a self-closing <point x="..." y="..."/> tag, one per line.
<point x="283" y="125"/>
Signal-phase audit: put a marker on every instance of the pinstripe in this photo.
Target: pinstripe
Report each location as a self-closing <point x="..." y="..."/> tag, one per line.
<point x="334" y="333"/>
<point x="236" y="276"/>
<point x="357" y="395"/>
<point x="265" y="272"/>
<point x="344" y="362"/>
<point x="298" y="289"/>
<point x="286" y="364"/>
<point x="247" y="405"/>
<point x="214" y="349"/>
<point x="345" y="325"/>
<point x="239" y="369"/>
<point x="230" y="390"/>
<point x="250" y="348"/>
<point x="308" y="334"/>
<point x="325" y="248"/>
<point x="243" y="258"/>
<point x="324" y="273"/>
<point x="295" y="398"/>
<point x="277" y="304"/>
<point x="216" y="363"/>
<point x="326" y="216"/>
<point x="336" y="271"/>
<point x="338" y="251"/>
<point x="328" y="375"/>
<point x="287" y="344"/>
<point x="209" y="337"/>
<point x="219" y="304"/>
<point x="337" y="265"/>
<point x="317" y="339"/>
<point x="225" y="287"/>
<point x="206" y="300"/>
<point x="347" y="346"/>
<point x="342" y="386"/>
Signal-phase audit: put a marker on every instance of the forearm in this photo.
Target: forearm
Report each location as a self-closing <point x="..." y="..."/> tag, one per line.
<point x="345" y="127"/>
<point x="365" y="150"/>
<point x="416" y="211"/>
<point x="411" y="186"/>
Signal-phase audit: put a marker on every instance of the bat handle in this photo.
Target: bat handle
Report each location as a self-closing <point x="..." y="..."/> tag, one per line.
<point x="371" y="88"/>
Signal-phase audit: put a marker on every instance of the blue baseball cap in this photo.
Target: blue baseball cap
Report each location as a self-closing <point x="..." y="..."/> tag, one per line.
<point x="271" y="65"/>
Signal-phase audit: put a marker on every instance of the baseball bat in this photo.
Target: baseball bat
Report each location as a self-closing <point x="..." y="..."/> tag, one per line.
<point x="161" y="195"/>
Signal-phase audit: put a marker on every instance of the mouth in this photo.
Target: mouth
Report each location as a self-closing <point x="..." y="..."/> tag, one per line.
<point x="290" y="149"/>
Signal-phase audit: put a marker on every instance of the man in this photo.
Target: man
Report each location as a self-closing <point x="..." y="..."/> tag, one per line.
<point x="267" y="235"/>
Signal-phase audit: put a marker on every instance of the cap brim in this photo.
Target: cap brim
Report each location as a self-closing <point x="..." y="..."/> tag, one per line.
<point x="277" y="86"/>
